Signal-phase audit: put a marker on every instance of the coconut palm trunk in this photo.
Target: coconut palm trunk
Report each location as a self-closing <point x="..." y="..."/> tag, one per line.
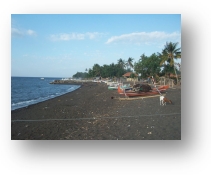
<point x="169" y="53"/>
<point x="176" y="75"/>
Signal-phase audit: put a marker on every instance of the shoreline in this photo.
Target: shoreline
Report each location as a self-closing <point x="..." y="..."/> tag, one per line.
<point x="40" y="99"/>
<point x="89" y="113"/>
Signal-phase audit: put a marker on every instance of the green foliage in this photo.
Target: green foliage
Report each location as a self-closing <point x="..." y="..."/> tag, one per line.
<point x="132" y="75"/>
<point x="169" y="53"/>
<point x="96" y="70"/>
<point x="105" y="71"/>
<point x="80" y="75"/>
<point x="167" y="69"/>
<point x="154" y="65"/>
<point x="112" y="70"/>
<point x="121" y="63"/>
<point x="148" y="66"/>
<point x="130" y="62"/>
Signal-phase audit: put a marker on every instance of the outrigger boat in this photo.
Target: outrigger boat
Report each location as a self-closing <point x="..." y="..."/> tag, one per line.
<point x="112" y="87"/>
<point x="131" y="93"/>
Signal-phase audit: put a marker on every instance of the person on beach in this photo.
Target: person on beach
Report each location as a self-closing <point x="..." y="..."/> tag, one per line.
<point x="148" y="79"/>
<point x="153" y="81"/>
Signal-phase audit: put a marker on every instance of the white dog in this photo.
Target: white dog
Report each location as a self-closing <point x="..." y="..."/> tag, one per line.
<point x="163" y="100"/>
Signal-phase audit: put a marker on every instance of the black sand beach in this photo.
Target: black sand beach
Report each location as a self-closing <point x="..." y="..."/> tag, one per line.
<point x="89" y="113"/>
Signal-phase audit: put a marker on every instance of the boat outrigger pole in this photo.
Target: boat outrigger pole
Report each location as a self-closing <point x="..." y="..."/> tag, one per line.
<point x="156" y="87"/>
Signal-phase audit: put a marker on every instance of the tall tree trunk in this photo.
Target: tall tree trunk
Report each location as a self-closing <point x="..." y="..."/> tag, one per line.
<point x="176" y="75"/>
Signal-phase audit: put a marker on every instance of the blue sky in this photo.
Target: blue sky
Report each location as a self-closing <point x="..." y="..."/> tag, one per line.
<point x="61" y="45"/>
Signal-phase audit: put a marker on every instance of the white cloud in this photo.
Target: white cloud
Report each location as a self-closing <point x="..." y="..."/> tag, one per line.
<point x="67" y="37"/>
<point x="144" y="37"/>
<point x="20" y="33"/>
<point x="93" y="35"/>
<point x="31" y="32"/>
<point x="74" y="36"/>
<point x="17" y="32"/>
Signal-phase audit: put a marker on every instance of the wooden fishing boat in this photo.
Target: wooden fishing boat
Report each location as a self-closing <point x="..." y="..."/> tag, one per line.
<point x="131" y="93"/>
<point x="121" y="88"/>
<point x="113" y="86"/>
<point x="125" y="86"/>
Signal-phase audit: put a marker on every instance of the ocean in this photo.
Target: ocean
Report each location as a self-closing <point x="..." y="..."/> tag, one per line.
<point x="26" y="91"/>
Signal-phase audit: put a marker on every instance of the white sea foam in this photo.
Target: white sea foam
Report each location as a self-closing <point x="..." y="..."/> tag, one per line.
<point x="26" y="103"/>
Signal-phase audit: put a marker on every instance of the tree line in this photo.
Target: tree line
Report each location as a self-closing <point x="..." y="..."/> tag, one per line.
<point x="158" y="64"/>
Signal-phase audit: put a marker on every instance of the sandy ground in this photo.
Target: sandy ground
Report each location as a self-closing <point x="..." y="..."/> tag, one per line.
<point x="90" y="113"/>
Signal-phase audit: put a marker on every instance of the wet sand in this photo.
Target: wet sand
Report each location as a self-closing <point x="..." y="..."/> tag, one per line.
<point x="93" y="112"/>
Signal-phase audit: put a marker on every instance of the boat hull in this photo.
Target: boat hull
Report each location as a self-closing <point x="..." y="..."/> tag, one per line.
<point x="112" y="88"/>
<point x="154" y="91"/>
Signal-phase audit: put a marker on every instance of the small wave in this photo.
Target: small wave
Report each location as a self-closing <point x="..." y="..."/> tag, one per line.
<point x="40" y="99"/>
<point x="23" y="104"/>
<point x="73" y="88"/>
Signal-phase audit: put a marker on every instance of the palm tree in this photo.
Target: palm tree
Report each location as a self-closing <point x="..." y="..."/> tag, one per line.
<point x="130" y="62"/>
<point x="121" y="62"/>
<point x="96" y="70"/>
<point x="169" y="53"/>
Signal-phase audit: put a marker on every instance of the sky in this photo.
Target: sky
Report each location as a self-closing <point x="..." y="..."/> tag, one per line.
<point x="56" y="45"/>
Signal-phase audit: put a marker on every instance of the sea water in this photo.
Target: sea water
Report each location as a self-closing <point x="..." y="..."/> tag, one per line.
<point x="26" y="91"/>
